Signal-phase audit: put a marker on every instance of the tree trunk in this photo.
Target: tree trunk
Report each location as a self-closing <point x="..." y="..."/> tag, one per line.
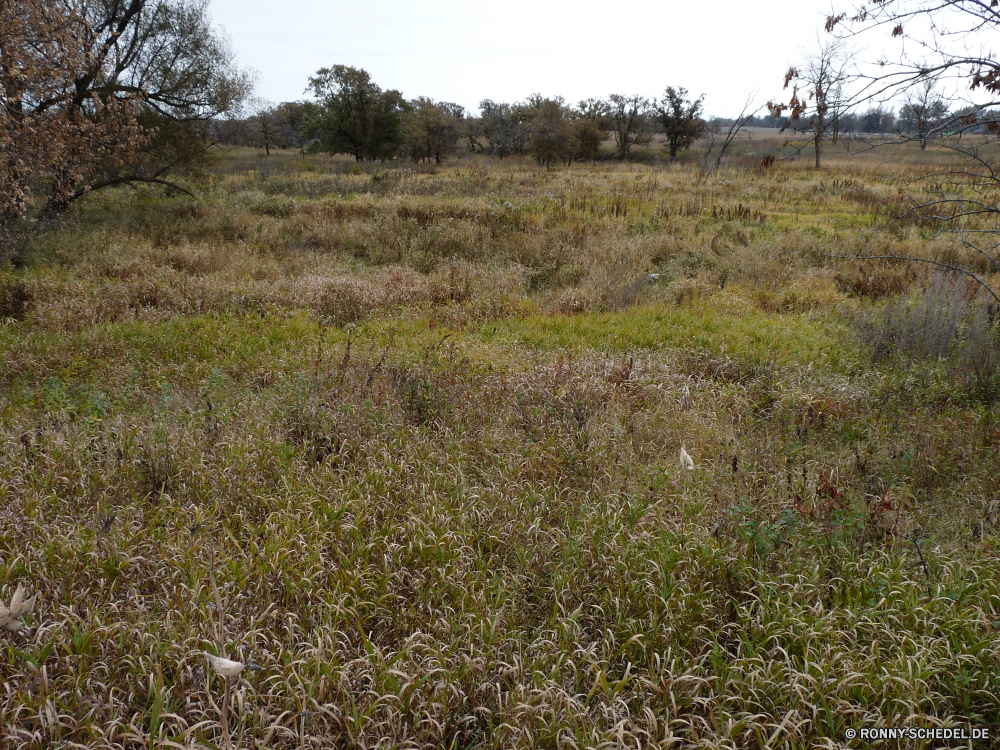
<point x="820" y="130"/>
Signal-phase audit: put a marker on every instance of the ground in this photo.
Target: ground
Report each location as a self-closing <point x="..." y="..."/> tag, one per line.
<point x="406" y="442"/>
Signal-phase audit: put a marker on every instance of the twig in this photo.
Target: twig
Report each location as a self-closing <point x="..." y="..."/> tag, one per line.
<point x="938" y="263"/>
<point x="376" y="368"/>
<point x="915" y="539"/>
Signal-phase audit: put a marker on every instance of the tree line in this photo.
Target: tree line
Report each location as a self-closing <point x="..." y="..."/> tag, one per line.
<point x="104" y="93"/>
<point x="351" y="114"/>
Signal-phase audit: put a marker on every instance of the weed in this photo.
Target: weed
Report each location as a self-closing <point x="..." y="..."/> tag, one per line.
<point x="414" y="439"/>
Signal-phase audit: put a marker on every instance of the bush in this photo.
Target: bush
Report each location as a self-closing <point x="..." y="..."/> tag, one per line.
<point x="950" y="320"/>
<point x="15" y="298"/>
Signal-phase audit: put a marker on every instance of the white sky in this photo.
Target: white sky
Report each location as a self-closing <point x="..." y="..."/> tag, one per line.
<point x="504" y="50"/>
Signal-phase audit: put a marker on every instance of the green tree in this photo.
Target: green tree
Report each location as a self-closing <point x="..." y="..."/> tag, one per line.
<point x="590" y="128"/>
<point x="629" y="119"/>
<point x="432" y="129"/>
<point x="293" y="119"/>
<point x="505" y="127"/>
<point x="552" y="133"/>
<point x="356" y="116"/>
<point x="680" y="118"/>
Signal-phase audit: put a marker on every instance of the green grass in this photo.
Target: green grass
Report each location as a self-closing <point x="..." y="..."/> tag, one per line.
<point x="787" y="339"/>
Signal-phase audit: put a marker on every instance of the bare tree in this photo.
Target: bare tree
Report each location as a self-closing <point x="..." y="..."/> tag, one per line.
<point x="924" y="111"/>
<point x="817" y="86"/>
<point x="629" y="118"/>
<point x="933" y="44"/>
<point x="745" y="117"/>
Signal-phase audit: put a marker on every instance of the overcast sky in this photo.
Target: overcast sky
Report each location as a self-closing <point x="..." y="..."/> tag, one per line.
<point x="507" y="49"/>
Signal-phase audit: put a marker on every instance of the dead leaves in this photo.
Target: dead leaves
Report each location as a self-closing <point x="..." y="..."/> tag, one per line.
<point x="11" y="617"/>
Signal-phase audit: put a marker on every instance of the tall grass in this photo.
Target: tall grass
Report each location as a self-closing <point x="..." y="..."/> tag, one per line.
<point x="404" y="443"/>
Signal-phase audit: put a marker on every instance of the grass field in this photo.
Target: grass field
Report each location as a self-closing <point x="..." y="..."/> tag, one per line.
<point x="405" y="442"/>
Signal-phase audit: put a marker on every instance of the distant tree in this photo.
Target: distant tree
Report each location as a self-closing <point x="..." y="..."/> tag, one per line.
<point x="293" y="120"/>
<point x="590" y="128"/>
<point x="505" y="127"/>
<point x="680" y="118"/>
<point x="888" y="122"/>
<point x="432" y="129"/>
<point x="355" y="116"/>
<point x="838" y="112"/>
<point x="97" y="93"/>
<point x="265" y="123"/>
<point x="816" y="93"/>
<point x="629" y="118"/>
<point x="871" y="120"/>
<point x="733" y="128"/>
<point x="923" y="112"/>
<point x="475" y="136"/>
<point x="230" y="131"/>
<point x="552" y="132"/>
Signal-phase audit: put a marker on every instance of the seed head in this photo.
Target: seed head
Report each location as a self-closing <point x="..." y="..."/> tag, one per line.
<point x="686" y="461"/>
<point x="225" y="667"/>
<point x="10" y="617"/>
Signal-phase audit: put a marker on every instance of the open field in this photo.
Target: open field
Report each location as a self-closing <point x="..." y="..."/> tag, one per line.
<point x="421" y="430"/>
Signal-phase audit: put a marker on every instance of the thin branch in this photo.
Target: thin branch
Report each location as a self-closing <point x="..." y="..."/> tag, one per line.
<point x="938" y="263"/>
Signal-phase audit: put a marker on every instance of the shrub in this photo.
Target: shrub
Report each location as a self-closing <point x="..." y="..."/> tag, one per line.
<point x="15" y="298"/>
<point x="950" y="320"/>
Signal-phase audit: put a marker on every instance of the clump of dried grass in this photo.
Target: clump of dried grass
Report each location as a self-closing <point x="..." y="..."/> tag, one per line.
<point x="812" y="290"/>
<point x="950" y="321"/>
<point x="15" y="297"/>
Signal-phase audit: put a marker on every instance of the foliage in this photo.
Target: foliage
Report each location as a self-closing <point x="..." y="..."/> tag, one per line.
<point x="87" y="102"/>
<point x="266" y="122"/>
<point x="552" y="131"/>
<point x="951" y="321"/>
<point x="403" y="441"/>
<point x="590" y="128"/>
<point x="505" y="127"/>
<point x="432" y="130"/>
<point x="680" y="118"/>
<point x="355" y="116"/>
<point x="629" y="117"/>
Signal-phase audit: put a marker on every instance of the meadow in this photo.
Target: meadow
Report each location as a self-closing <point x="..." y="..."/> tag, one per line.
<point x="404" y="440"/>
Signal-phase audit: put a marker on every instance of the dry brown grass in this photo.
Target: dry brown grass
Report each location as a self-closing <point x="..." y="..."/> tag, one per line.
<point x="421" y="429"/>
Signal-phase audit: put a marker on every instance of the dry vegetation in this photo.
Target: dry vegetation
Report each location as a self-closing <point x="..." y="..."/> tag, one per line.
<point x="420" y="428"/>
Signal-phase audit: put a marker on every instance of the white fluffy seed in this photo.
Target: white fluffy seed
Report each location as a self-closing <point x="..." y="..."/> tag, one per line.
<point x="225" y="667"/>
<point x="686" y="461"/>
